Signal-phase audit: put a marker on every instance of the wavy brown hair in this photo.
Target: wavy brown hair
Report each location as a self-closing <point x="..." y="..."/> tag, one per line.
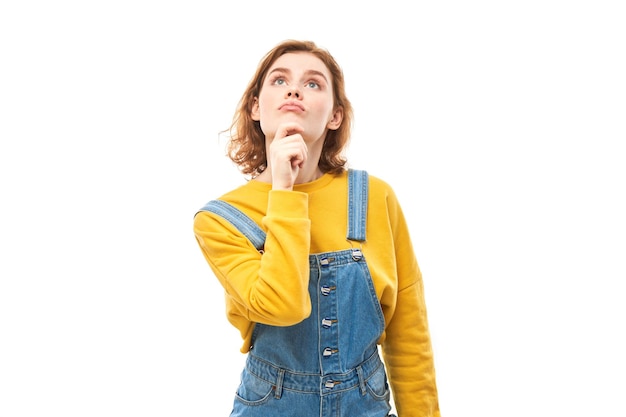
<point x="246" y="147"/>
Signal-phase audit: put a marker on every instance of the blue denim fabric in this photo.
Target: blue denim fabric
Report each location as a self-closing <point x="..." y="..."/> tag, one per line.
<point x="357" y="204"/>
<point x="241" y="221"/>
<point x="327" y="365"/>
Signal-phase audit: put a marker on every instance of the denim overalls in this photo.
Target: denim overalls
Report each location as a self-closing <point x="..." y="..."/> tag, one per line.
<point x="327" y="365"/>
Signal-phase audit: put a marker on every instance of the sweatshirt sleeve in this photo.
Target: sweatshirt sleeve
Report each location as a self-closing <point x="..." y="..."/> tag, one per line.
<point x="269" y="287"/>
<point x="407" y="347"/>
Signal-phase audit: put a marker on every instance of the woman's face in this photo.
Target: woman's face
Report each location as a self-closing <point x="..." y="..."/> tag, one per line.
<point x="297" y="88"/>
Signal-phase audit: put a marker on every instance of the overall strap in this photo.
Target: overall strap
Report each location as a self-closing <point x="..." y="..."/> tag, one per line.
<point x="238" y="219"/>
<point x="357" y="204"/>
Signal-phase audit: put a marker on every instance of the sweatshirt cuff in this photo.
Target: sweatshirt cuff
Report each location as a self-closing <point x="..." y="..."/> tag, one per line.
<point x="288" y="204"/>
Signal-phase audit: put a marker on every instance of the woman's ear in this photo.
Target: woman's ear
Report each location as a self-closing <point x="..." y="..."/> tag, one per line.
<point x="254" y="112"/>
<point x="336" y="119"/>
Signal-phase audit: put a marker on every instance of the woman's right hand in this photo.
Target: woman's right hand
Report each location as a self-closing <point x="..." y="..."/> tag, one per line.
<point x="287" y="155"/>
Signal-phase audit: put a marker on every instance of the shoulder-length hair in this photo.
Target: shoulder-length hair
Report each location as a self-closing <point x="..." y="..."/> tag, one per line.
<point x="246" y="147"/>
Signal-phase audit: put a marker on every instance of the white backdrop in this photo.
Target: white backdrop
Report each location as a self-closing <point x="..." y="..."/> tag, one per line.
<point x="501" y="126"/>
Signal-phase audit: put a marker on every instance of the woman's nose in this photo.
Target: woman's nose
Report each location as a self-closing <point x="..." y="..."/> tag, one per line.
<point x="293" y="93"/>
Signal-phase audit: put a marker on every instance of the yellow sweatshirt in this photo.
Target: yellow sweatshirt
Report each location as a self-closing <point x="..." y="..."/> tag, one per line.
<point x="313" y="219"/>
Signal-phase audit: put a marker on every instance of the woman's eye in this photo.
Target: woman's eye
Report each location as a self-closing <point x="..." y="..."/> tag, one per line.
<point x="279" y="81"/>
<point x="312" y="84"/>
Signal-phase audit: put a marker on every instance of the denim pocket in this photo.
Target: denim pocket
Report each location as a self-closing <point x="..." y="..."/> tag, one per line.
<point x="253" y="390"/>
<point x="377" y="385"/>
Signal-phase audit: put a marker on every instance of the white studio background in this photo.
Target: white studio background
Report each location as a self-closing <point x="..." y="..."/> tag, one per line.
<point x="501" y="126"/>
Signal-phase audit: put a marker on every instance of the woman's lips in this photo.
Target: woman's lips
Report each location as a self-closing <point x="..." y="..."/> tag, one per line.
<point x="292" y="106"/>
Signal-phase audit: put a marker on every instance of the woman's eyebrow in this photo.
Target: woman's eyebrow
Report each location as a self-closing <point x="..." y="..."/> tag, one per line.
<point x="318" y="73"/>
<point x="279" y="69"/>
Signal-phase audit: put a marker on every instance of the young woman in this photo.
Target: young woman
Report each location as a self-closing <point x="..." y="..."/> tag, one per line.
<point x="315" y="259"/>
